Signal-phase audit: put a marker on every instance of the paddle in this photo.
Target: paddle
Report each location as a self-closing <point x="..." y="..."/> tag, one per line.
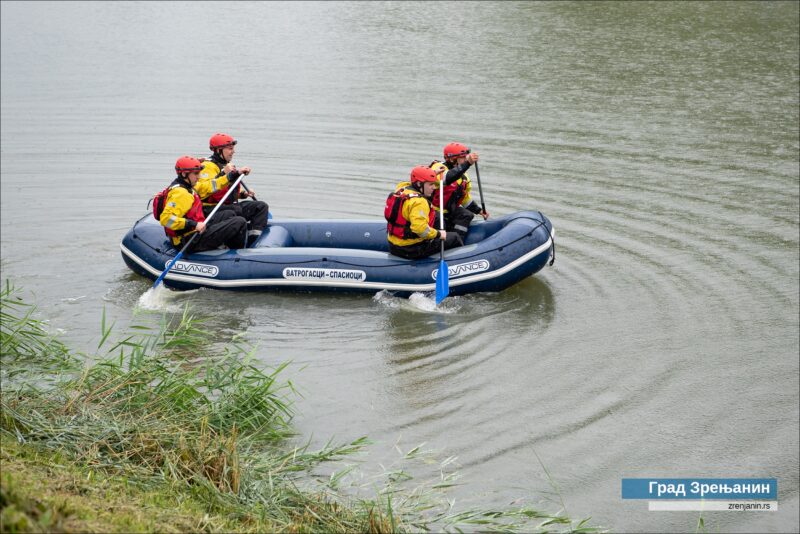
<point x="180" y="254"/>
<point x="247" y="191"/>
<point x="269" y="214"/>
<point x="443" y="277"/>
<point x="480" y="190"/>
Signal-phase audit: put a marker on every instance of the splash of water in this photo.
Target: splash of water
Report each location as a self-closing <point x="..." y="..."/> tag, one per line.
<point x="158" y="299"/>
<point x="423" y="301"/>
<point x="419" y="302"/>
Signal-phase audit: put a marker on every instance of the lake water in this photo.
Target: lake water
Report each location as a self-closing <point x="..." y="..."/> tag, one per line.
<point x="660" y="138"/>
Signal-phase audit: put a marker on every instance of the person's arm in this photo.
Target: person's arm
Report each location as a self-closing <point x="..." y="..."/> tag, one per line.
<point x="418" y="212"/>
<point x="205" y="187"/>
<point x="456" y="172"/>
<point x="471" y="205"/>
<point x="212" y="180"/>
<point x="244" y="192"/>
<point x="179" y="202"/>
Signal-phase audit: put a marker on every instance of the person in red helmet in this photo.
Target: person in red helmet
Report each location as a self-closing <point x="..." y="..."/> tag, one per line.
<point x="411" y="225"/>
<point x="215" y="178"/>
<point x="183" y="215"/>
<point x="459" y="208"/>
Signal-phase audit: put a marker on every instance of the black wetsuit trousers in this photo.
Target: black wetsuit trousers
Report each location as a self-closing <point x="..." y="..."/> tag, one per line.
<point x="426" y="248"/>
<point x="226" y="228"/>
<point x="458" y="220"/>
<point x="255" y="212"/>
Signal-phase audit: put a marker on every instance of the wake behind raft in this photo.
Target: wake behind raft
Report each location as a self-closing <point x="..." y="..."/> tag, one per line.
<point x="348" y="256"/>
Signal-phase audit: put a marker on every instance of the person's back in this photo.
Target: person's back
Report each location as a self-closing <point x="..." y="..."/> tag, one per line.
<point x="181" y="213"/>
<point x="410" y="220"/>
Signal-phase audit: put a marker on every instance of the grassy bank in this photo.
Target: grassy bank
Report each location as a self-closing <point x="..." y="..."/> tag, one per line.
<point x="42" y="490"/>
<point x="157" y="432"/>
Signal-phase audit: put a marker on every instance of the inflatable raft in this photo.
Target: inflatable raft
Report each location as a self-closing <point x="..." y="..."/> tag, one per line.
<point x="348" y="255"/>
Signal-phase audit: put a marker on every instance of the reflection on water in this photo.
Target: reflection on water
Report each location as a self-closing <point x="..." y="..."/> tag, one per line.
<point x="435" y="359"/>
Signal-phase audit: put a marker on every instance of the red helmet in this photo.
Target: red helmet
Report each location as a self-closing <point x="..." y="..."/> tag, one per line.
<point x="421" y="173"/>
<point x="188" y="164"/>
<point x="220" y="140"/>
<point x="454" y="150"/>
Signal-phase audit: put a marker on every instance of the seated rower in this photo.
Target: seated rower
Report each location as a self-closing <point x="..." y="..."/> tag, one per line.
<point x="217" y="175"/>
<point x="411" y="221"/>
<point x="182" y="214"/>
<point x="459" y="208"/>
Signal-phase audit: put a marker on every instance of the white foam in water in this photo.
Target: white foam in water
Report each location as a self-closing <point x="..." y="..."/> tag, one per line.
<point x="159" y="299"/>
<point x="424" y="302"/>
<point x="385" y="298"/>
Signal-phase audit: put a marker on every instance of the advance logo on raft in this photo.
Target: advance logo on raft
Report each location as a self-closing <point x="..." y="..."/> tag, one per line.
<point x="463" y="269"/>
<point x="198" y="269"/>
<point x="327" y="275"/>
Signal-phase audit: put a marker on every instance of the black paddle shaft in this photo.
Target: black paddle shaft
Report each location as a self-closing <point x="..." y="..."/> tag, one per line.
<point x="247" y="190"/>
<point x="480" y="189"/>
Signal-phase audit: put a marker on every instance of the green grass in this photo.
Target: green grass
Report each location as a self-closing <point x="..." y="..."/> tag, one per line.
<point x="42" y="490"/>
<point x="171" y="435"/>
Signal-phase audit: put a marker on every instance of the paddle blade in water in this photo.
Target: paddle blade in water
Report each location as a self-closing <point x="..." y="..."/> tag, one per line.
<point x="442" y="282"/>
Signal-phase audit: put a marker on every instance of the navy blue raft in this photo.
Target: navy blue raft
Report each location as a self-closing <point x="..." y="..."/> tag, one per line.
<point x="348" y="255"/>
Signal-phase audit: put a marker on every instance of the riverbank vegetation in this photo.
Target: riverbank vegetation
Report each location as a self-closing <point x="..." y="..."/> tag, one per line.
<point x="157" y="431"/>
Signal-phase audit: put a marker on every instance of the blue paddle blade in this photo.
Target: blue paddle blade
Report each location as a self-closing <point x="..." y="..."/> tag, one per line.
<point x="169" y="266"/>
<point x="442" y="282"/>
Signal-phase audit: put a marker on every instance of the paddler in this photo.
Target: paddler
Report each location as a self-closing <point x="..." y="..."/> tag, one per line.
<point x="215" y="178"/>
<point x="459" y="207"/>
<point x="411" y="221"/>
<point x="181" y="213"/>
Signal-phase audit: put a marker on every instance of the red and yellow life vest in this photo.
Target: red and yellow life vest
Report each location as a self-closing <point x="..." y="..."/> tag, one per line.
<point x="397" y="225"/>
<point x="195" y="213"/>
<point x="213" y="173"/>
<point x="454" y="194"/>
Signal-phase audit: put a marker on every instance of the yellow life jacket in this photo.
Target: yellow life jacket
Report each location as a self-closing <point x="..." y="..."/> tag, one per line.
<point x="213" y="184"/>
